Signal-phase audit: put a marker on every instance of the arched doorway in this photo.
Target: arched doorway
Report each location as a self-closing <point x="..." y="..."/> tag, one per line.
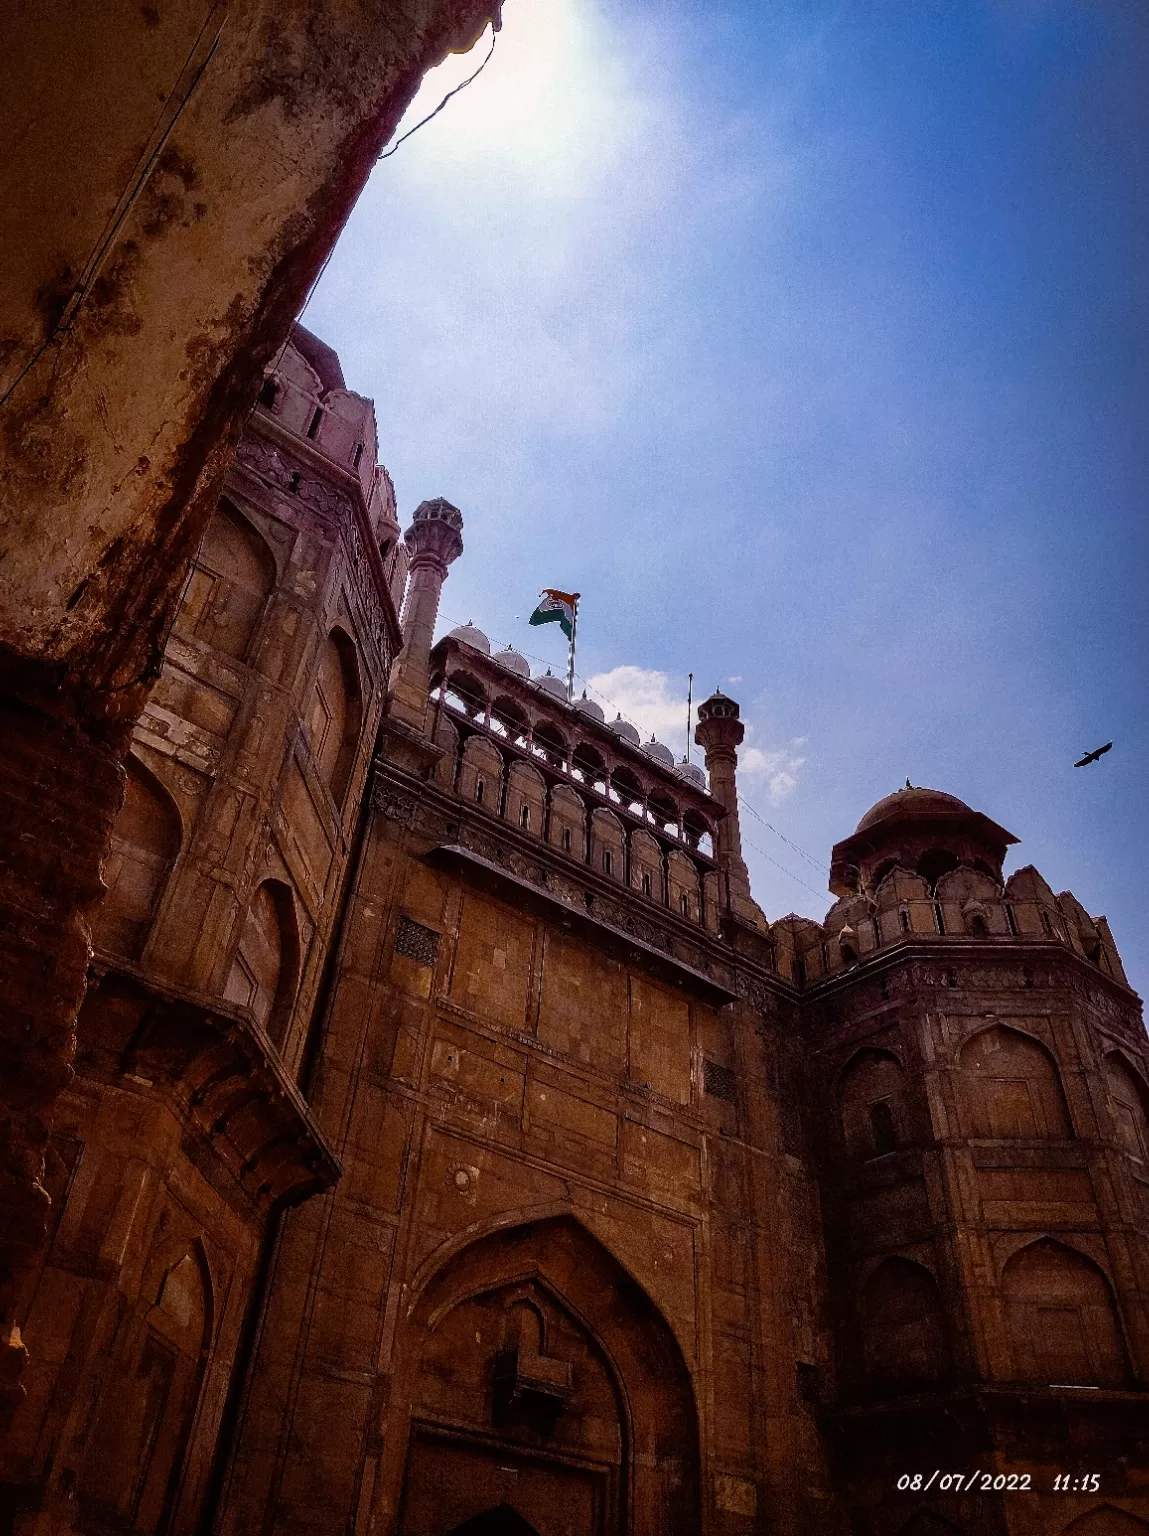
<point x="539" y="1384"/>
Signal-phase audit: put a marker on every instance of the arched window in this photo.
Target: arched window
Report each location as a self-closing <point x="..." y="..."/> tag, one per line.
<point x="335" y="716"/>
<point x="1011" y="1087"/>
<point x="871" y="1100"/>
<point x="548" y="744"/>
<point x="625" y="790"/>
<point x="462" y="692"/>
<point x="229" y="584"/>
<point x="510" y="721"/>
<point x="1063" y="1327"/>
<point x="145" y="842"/>
<point x="935" y="863"/>
<point x="663" y="813"/>
<point x="265" y="971"/>
<point x="882" y="871"/>
<point x="1129" y="1098"/>
<point x="905" y="1344"/>
<point x="696" y="832"/>
<point x="481" y="773"/>
<point x="588" y="766"/>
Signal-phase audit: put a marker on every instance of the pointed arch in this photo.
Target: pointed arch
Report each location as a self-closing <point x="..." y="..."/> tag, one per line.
<point x="145" y="844"/>
<point x="1062" y="1321"/>
<point x="1129" y="1098"/>
<point x="1011" y="1087"/>
<point x="904" y="1333"/>
<point x="335" y="714"/>
<point x="229" y="584"/>
<point x="872" y="1103"/>
<point x="600" y="1367"/>
<point x="265" y="971"/>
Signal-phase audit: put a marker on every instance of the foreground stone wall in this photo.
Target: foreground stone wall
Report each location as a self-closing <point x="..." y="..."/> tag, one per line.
<point x="173" y="179"/>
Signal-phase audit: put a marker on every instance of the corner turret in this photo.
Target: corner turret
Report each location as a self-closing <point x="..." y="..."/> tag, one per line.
<point x="719" y="733"/>
<point x="434" y="540"/>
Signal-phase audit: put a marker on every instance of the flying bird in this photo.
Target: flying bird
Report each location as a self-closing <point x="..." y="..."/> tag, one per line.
<point x="1091" y="757"/>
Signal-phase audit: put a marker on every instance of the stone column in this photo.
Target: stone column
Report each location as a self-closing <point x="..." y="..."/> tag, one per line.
<point x="435" y="539"/>
<point x="719" y="733"/>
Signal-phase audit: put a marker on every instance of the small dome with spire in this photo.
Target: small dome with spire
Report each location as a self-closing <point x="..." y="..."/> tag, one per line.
<point x="624" y="730"/>
<point x="587" y="706"/>
<point x="469" y="635"/>
<point x="554" y="686"/>
<point x="513" y="662"/>
<point x="916" y="802"/>
<point x="692" y="773"/>
<point x="658" y="753"/>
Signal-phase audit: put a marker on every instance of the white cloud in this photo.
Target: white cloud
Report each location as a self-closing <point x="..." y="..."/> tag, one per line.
<point x="648" y="699"/>
<point x="778" y="769"/>
<point x="645" y="698"/>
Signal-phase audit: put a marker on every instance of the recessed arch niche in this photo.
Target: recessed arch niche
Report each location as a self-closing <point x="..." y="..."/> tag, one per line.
<point x="335" y="714"/>
<point x="229" y="584"/>
<point x="534" y="1372"/>
<point x="1063" y="1328"/>
<point x="905" y="1340"/>
<point x="1011" y="1087"/>
<point x="265" y="971"/>
<point x="145" y="843"/>
<point x="1130" y="1100"/>
<point x="871" y="1102"/>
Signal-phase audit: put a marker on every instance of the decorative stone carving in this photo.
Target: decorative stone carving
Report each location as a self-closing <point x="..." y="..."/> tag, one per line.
<point x="393" y="805"/>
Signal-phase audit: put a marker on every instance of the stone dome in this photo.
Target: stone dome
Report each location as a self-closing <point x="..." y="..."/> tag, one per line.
<point x="658" y="753"/>
<point x="587" y="706"/>
<point x="471" y="636"/>
<point x="920" y="804"/>
<point x="692" y="773"/>
<point x="553" y="686"/>
<point x="513" y="662"/>
<point x="624" y="730"/>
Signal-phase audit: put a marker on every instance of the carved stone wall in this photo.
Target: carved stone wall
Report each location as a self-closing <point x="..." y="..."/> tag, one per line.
<point x="539" y="1108"/>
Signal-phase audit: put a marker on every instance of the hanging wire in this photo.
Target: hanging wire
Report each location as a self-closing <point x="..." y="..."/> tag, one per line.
<point x="809" y="857"/>
<point x="387" y="153"/>
<point x="785" y="871"/>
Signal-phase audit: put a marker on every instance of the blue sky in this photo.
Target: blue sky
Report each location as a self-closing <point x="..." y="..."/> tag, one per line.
<point x="809" y="343"/>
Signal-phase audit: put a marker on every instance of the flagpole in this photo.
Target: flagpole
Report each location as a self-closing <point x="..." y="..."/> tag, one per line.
<point x="570" y="663"/>
<point x="689" y="711"/>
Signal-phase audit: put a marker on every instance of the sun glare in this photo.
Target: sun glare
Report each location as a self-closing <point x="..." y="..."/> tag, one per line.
<point x="542" y="104"/>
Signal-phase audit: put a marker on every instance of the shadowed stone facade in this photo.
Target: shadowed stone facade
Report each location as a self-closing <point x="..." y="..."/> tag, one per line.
<point x="455" y="1146"/>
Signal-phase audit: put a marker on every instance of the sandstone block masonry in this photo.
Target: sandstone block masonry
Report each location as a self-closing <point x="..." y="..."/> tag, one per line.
<point x="455" y="1146"/>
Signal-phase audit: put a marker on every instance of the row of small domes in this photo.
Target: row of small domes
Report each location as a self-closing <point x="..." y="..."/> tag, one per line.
<point x="556" y="688"/>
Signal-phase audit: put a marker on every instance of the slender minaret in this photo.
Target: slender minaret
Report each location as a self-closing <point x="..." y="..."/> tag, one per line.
<point x="719" y="733"/>
<point x="434" y="539"/>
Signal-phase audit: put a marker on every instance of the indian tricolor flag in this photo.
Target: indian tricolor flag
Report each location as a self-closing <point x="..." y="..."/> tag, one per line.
<point x="557" y="608"/>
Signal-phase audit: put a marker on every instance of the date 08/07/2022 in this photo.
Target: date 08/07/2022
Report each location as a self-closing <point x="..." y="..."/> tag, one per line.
<point x="995" y="1482"/>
